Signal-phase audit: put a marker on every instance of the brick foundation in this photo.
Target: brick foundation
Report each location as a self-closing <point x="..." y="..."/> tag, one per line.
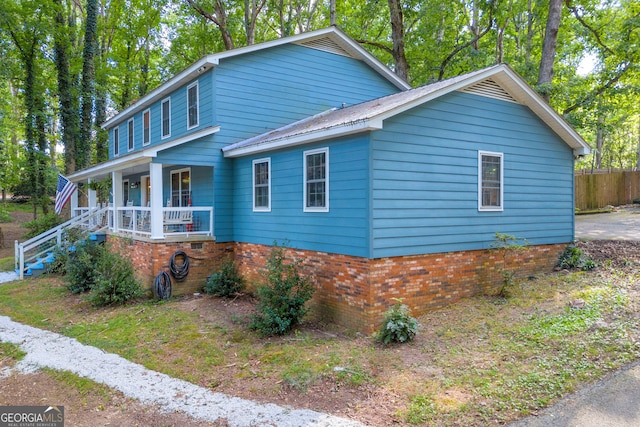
<point x="355" y="292"/>
<point x="351" y="291"/>
<point x="150" y="258"/>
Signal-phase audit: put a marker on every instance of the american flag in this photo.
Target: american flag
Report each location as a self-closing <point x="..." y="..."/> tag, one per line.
<point x="64" y="190"/>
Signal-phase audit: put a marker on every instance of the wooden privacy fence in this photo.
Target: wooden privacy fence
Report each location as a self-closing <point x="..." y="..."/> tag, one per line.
<point x="597" y="190"/>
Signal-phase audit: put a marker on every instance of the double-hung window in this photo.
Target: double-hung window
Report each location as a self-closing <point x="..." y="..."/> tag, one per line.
<point x="193" y="117"/>
<point x="146" y="127"/>
<point x="490" y="181"/>
<point x="116" y="141"/>
<point x="130" y="136"/>
<point x="165" y="117"/>
<point x="316" y="180"/>
<point x="262" y="185"/>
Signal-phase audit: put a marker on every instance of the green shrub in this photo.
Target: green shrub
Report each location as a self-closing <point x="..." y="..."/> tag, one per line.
<point x="398" y="325"/>
<point x="226" y="282"/>
<point x="81" y="266"/>
<point x="70" y="238"/>
<point x="282" y="300"/>
<point x="115" y="282"/>
<point x="573" y="257"/>
<point x="41" y="224"/>
<point x="4" y="214"/>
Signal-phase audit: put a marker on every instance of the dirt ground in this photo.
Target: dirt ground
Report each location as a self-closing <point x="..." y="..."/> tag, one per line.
<point x="12" y="231"/>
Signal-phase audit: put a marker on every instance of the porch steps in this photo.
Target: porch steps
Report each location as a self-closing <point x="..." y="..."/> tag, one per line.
<point x="41" y="265"/>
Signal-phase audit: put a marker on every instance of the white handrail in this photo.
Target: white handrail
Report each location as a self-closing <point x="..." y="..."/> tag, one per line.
<point x="25" y="247"/>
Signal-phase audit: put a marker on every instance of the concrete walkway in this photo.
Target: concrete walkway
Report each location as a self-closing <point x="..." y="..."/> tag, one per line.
<point x="622" y="224"/>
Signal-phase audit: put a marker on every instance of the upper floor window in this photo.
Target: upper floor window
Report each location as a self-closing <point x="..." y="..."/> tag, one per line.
<point x="316" y="180"/>
<point x="130" y="126"/>
<point x="262" y="185"/>
<point x="165" y="117"/>
<point x="146" y="127"/>
<point x="490" y="181"/>
<point x="193" y="117"/>
<point x="116" y="141"/>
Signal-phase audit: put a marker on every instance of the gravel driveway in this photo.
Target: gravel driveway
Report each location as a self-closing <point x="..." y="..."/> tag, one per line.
<point x="621" y="224"/>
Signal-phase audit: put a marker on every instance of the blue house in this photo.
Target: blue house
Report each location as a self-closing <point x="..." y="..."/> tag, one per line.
<point x="382" y="190"/>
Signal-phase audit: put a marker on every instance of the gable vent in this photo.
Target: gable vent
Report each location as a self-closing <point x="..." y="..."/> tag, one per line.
<point x="490" y="89"/>
<point x="327" y="45"/>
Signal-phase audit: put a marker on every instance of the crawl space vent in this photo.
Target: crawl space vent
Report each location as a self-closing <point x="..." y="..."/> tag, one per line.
<point x="490" y="89"/>
<point x="327" y="45"/>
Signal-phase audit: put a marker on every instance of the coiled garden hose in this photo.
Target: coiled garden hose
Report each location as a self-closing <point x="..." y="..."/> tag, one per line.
<point x="162" y="286"/>
<point x="179" y="271"/>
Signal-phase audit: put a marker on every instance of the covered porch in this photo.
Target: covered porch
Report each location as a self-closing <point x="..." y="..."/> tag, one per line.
<point x="147" y="199"/>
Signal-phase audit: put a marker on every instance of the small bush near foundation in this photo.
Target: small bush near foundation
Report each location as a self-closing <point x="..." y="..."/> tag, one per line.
<point x="226" y="282"/>
<point x="282" y="300"/>
<point x="573" y="257"/>
<point x="398" y="325"/>
<point x="115" y="282"/>
<point x="81" y="266"/>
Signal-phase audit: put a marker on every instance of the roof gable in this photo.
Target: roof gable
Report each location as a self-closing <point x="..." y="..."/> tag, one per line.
<point x="329" y="39"/>
<point x="499" y="82"/>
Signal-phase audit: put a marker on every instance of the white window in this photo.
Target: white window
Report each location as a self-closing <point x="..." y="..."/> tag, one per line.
<point x="116" y="141"/>
<point x="490" y="181"/>
<point x="165" y="117"/>
<point x="193" y="116"/>
<point x="181" y="188"/>
<point x="130" y="126"/>
<point x="262" y="185"/>
<point x="316" y="180"/>
<point x="146" y="127"/>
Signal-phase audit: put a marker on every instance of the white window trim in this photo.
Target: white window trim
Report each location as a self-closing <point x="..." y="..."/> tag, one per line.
<point x="116" y="141"/>
<point x="131" y="136"/>
<point x="267" y="208"/>
<point x="326" y="179"/>
<point x="162" y="118"/>
<point x="171" y="172"/>
<point x="482" y="208"/>
<point x="145" y="143"/>
<point x="197" y="105"/>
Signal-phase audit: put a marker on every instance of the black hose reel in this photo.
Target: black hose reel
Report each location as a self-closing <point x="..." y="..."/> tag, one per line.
<point x="179" y="271"/>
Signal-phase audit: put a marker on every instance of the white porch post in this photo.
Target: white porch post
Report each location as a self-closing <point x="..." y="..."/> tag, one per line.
<point x="116" y="190"/>
<point x="74" y="203"/>
<point x="91" y="196"/>
<point x="155" y="175"/>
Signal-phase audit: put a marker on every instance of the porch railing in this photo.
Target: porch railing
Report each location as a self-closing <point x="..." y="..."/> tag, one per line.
<point x="186" y="221"/>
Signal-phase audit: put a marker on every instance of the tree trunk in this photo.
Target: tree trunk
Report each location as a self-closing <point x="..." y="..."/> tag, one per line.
<point x="545" y="73"/>
<point x="87" y="89"/>
<point x="638" y="151"/>
<point x="68" y="103"/>
<point x="332" y="12"/>
<point x="397" y="36"/>
<point x="599" y="142"/>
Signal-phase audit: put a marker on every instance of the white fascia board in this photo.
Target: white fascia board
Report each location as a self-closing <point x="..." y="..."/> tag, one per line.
<point x="529" y="97"/>
<point x="138" y="157"/>
<point x="193" y="71"/>
<point x="306" y="138"/>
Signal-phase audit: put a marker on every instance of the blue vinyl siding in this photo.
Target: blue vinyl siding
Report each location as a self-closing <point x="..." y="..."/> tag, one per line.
<point x="344" y="229"/>
<point x="272" y="88"/>
<point x="425" y="178"/>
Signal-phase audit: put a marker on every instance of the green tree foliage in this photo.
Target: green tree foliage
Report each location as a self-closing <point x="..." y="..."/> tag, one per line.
<point x="107" y="53"/>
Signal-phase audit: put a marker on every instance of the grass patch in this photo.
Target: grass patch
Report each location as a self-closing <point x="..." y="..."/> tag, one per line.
<point x="7" y="264"/>
<point x="477" y="362"/>
<point x="83" y="386"/>
<point x="10" y="353"/>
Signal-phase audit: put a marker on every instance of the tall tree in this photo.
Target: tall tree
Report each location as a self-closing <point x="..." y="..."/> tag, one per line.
<point x="545" y="74"/>
<point x="87" y="91"/>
